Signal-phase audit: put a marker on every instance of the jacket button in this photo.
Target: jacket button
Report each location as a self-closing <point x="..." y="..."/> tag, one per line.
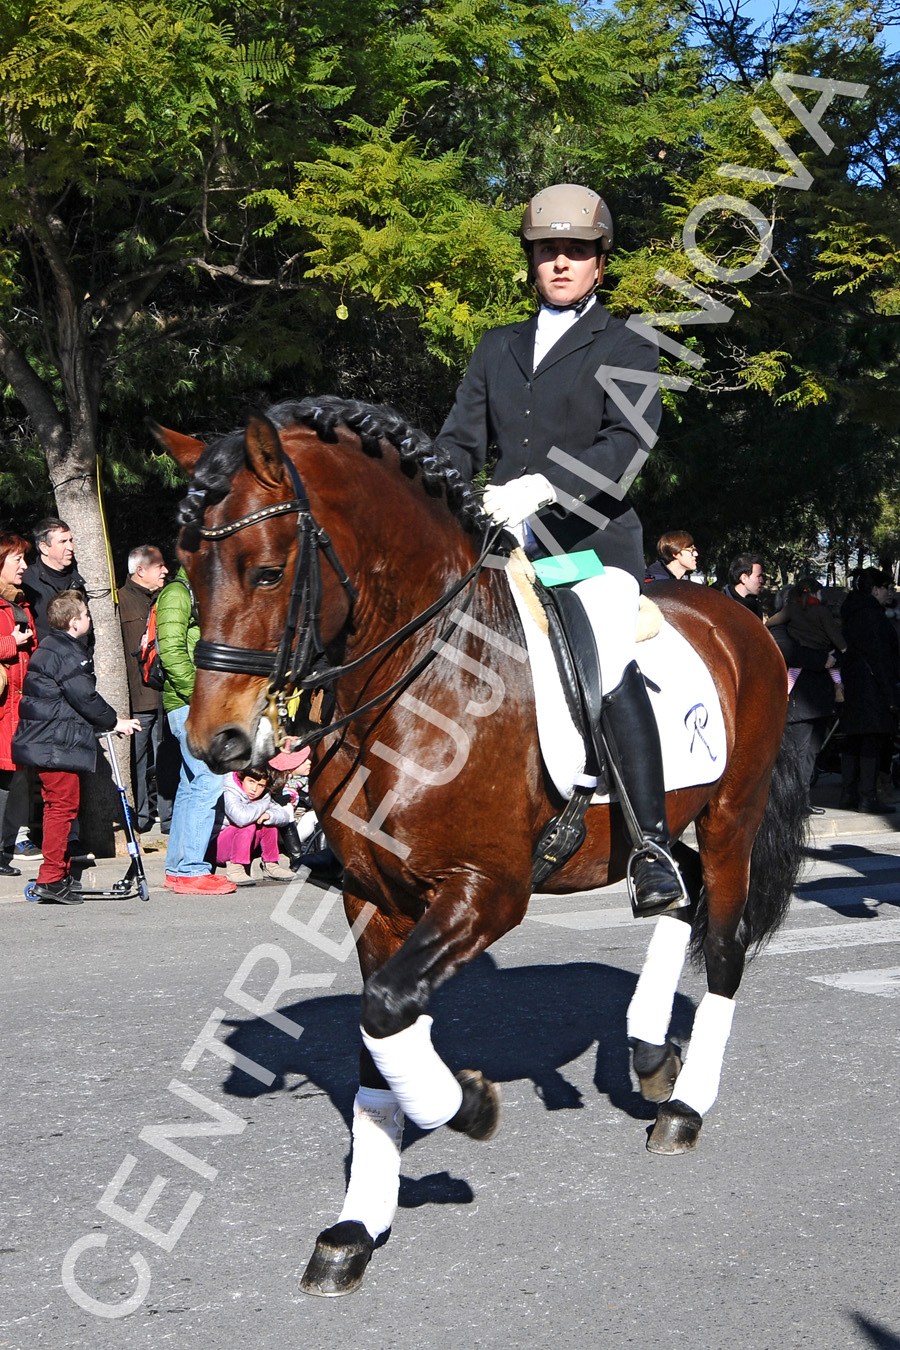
<point x="527" y="385"/>
<point x="527" y="412"/>
<point x="525" y="441"/>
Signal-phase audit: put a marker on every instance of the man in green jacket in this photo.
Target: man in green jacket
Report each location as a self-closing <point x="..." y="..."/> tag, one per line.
<point x="193" y="815"/>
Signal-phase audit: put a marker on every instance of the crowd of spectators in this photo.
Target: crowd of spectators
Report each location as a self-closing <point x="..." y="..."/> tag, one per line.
<point x="843" y="660"/>
<point x="51" y="715"/>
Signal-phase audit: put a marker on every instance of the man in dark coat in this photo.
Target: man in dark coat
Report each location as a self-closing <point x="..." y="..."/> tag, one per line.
<point x="53" y="571"/>
<point x="870" y="670"/>
<point x="810" y="701"/>
<point x="59" y="718"/>
<point x="568" y="401"/>
<point x="746" y="576"/>
<point x="146" y="573"/>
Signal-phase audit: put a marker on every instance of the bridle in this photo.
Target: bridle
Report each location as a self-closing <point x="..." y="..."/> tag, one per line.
<point x="299" y="663"/>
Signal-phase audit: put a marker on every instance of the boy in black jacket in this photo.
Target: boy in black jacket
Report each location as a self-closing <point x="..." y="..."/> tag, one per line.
<point x="59" y="717"/>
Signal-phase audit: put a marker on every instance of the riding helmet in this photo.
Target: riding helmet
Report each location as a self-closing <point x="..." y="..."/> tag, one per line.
<point x="567" y="211"/>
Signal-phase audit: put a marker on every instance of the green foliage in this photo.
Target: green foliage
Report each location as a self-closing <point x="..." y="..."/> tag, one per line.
<point x="392" y="222"/>
<point x="208" y="205"/>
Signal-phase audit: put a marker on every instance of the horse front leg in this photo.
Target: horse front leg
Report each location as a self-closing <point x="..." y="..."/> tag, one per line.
<point x="655" y="1059"/>
<point x="679" y="1120"/>
<point x="400" y="1074"/>
<point x="343" y="1251"/>
<point x="396" y="1029"/>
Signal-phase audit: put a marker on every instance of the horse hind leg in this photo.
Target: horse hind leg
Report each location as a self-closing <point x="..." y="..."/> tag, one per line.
<point x="679" y="1120"/>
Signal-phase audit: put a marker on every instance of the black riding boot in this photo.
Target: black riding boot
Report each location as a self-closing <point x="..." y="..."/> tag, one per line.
<point x="291" y="845"/>
<point x="633" y="741"/>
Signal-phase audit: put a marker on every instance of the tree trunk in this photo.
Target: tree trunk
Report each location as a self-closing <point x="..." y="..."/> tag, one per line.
<point x="100" y="814"/>
<point x="80" y="348"/>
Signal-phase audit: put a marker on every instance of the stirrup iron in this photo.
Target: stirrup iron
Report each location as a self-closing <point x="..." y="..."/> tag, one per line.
<point x="650" y="848"/>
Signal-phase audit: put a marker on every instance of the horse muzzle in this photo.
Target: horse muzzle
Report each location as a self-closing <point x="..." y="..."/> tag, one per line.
<point x="229" y="750"/>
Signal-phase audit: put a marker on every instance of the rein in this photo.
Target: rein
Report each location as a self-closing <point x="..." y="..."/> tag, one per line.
<point x="294" y="664"/>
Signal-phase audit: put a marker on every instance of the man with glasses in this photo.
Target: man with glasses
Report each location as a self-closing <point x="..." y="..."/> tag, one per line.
<point x="746" y="579"/>
<point x="676" y="557"/>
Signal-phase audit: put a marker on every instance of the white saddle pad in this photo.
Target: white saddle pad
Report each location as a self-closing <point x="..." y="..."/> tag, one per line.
<point x="687" y="709"/>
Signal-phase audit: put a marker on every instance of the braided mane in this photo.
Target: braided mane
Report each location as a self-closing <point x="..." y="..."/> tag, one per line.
<point x="372" y="423"/>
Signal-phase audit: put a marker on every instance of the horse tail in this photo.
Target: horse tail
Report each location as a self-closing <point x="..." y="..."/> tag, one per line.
<point x="775" y="861"/>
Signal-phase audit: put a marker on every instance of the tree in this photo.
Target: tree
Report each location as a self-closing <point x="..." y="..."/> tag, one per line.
<point x="114" y="115"/>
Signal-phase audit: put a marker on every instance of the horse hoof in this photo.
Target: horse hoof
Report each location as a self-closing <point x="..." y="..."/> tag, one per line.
<point x="677" y="1129"/>
<point x="480" y="1114"/>
<point x="338" y="1264"/>
<point x="656" y="1080"/>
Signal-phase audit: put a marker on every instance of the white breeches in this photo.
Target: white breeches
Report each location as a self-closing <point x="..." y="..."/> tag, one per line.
<point x="611" y="602"/>
<point x="424" y="1087"/>
<point x="371" y="1197"/>
<point x="650" y="1009"/>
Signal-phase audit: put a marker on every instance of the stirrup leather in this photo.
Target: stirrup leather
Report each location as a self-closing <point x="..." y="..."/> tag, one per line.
<point x="561" y="837"/>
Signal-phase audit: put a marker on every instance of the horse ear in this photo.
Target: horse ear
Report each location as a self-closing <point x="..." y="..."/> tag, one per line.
<point x="264" y="455"/>
<point x="185" y="450"/>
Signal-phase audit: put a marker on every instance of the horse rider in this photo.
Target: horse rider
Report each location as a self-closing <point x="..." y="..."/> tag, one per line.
<point x="566" y="453"/>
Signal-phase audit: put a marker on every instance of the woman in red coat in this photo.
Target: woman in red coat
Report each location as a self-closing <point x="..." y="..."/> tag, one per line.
<point x="17" y="642"/>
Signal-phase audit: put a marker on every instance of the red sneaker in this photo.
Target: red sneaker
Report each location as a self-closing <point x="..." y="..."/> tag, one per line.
<point x="170" y="881"/>
<point x="206" y="884"/>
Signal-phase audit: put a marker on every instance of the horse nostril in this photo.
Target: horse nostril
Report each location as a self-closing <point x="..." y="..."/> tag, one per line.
<point x="229" y="750"/>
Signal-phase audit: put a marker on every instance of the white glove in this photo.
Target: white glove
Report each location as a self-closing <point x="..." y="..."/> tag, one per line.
<point x="511" y="503"/>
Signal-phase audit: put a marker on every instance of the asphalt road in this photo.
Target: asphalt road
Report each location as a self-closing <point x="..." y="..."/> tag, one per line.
<point x="780" y="1231"/>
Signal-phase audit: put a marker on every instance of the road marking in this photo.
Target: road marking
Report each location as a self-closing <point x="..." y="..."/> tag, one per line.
<point x="582" y="919"/>
<point x="885" y="983"/>
<point x="863" y="933"/>
<point x="850" y="893"/>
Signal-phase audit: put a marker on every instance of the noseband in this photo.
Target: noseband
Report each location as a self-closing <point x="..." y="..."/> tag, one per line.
<point x="299" y="661"/>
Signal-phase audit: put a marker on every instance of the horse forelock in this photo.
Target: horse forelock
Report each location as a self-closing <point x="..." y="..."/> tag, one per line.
<point x="213" y="473"/>
<point x="372" y="424"/>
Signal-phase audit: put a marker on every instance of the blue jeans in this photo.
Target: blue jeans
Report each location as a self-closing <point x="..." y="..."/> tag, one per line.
<point x="194" y="811"/>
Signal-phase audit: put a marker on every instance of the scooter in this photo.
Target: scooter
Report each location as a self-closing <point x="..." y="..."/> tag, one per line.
<point x="135" y="880"/>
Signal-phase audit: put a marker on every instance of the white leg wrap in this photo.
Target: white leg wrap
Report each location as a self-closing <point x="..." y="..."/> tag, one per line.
<point x="650" y="1010"/>
<point x="420" y="1080"/>
<point x="698" y="1083"/>
<point x="371" y="1197"/>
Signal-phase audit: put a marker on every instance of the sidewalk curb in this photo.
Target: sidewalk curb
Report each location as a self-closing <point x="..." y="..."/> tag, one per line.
<point x="835" y="823"/>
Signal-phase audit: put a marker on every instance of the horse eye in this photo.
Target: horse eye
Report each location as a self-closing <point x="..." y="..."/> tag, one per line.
<point x="267" y="576"/>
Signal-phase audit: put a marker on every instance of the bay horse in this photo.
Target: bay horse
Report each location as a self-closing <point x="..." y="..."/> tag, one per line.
<point x="330" y="547"/>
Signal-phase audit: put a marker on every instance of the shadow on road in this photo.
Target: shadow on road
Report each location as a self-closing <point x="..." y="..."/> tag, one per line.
<point x="824" y="890"/>
<point x="527" y="1022"/>
<point x="878" y="1335"/>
